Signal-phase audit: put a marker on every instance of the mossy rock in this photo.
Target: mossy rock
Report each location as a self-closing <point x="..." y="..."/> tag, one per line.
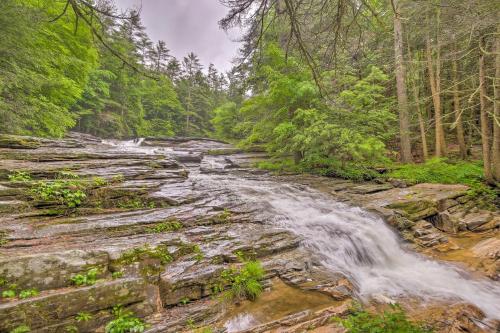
<point x="18" y="142"/>
<point x="415" y="210"/>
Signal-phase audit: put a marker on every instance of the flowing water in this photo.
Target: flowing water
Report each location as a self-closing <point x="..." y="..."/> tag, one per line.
<point x="353" y="241"/>
<point x="359" y="244"/>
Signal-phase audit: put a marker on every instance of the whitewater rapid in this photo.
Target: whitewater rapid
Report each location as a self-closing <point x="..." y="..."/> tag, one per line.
<point x="359" y="244"/>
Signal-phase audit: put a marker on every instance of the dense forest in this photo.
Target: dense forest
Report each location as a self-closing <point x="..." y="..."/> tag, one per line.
<point x="336" y="85"/>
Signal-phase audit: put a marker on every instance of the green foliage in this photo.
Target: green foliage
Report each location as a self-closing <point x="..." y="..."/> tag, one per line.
<point x="225" y="121"/>
<point x="117" y="275"/>
<point x="223" y="217"/>
<point x="244" y="282"/>
<point x="68" y="193"/>
<point x="392" y="321"/>
<point x="19" y="176"/>
<point x="9" y="293"/>
<point x="125" y="322"/>
<point x="28" y="293"/>
<point x="87" y="279"/>
<point x="328" y="167"/>
<point x="44" y="67"/>
<point x="71" y="329"/>
<point x="446" y="171"/>
<point x="21" y="329"/>
<point x="83" y="316"/>
<point x="99" y="181"/>
<point x="140" y="253"/>
<point x="168" y="226"/>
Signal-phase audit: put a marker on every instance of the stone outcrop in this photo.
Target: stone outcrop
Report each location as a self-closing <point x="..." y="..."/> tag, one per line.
<point x="159" y="240"/>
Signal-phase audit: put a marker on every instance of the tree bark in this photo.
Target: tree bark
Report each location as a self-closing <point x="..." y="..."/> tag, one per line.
<point x="485" y="130"/>
<point x="404" y="127"/>
<point x="496" y="111"/>
<point x="458" y="112"/>
<point x="435" y="83"/>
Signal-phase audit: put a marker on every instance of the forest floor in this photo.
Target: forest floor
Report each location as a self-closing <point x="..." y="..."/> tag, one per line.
<point x="87" y="225"/>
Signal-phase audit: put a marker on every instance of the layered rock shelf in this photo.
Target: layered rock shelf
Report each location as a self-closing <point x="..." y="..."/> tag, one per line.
<point x="155" y="240"/>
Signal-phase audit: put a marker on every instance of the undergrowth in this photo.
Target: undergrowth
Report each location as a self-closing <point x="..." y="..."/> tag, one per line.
<point x="445" y="171"/>
<point x="390" y="321"/>
<point x="324" y="167"/>
<point x="125" y="322"/>
<point x="244" y="281"/>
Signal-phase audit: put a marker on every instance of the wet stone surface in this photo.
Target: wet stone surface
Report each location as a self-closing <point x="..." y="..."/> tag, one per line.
<point x="162" y="219"/>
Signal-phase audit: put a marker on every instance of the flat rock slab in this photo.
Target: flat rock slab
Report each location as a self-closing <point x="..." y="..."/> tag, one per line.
<point x="52" y="308"/>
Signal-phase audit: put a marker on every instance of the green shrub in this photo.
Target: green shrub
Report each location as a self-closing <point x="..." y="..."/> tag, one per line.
<point x="328" y="167"/>
<point x="19" y="176"/>
<point x="21" y="329"/>
<point x="125" y="322"/>
<point x="99" y="181"/>
<point x="83" y="316"/>
<point x="87" y="279"/>
<point x="244" y="282"/>
<point x="9" y="293"/>
<point x="28" y="293"/>
<point x="117" y="274"/>
<point x="69" y="193"/>
<point x="392" y="321"/>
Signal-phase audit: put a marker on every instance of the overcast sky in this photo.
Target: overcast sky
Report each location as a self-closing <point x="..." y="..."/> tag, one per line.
<point x="188" y="25"/>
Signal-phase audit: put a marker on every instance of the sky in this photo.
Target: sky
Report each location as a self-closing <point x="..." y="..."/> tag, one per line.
<point x="188" y="26"/>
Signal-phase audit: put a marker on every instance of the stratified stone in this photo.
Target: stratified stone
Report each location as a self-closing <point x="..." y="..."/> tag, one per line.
<point x="52" y="308"/>
<point x="50" y="270"/>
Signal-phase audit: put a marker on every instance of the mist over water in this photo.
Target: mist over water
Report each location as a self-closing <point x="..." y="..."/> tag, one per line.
<point x="360" y="245"/>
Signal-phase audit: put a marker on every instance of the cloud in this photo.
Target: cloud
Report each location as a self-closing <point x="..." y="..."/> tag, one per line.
<point x="189" y="26"/>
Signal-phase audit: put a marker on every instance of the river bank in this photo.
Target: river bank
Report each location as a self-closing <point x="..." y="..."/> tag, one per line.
<point x="162" y="219"/>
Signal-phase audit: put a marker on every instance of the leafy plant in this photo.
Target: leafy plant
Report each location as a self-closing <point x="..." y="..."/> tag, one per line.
<point x="21" y="329"/>
<point x="9" y="293"/>
<point x="99" y="181"/>
<point x="28" y="293"/>
<point x="69" y="193"/>
<point x="185" y="300"/>
<point x="71" y="329"/>
<point x="67" y="175"/>
<point x="117" y="274"/>
<point x="83" y="316"/>
<point x="87" y="279"/>
<point x="19" y="176"/>
<point x="244" y="282"/>
<point x="173" y="225"/>
<point x="391" y="321"/>
<point x="125" y="322"/>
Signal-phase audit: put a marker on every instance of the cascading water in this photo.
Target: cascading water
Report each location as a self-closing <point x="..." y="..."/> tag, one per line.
<point x="353" y="241"/>
<point x="359" y="244"/>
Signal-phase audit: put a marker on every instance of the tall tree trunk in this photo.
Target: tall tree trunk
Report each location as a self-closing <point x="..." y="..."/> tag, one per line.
<point x="435" y="82"/>
<point x="485" y="130"/>
<point x="458" y="112"/>
<point x="496" y="110"/>
<point x="404" y="126"/>
<point x="421" y="122"/>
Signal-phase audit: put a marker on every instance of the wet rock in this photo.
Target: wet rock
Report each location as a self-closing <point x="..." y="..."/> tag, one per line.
<point x="50" y="270"/>
<point x="371" y="188"/>
<point x="52" y="308"/>
<point x="475" y="220"/>
<point x="18" y="142"/>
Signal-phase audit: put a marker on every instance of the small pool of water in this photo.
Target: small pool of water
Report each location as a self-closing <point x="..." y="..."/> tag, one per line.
<point x="282" y="300"/>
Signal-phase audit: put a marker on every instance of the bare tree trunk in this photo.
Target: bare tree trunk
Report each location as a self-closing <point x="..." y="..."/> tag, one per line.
<point x="496" y="111"/>
<point x="404" y="127"/>
<point x="485" y="130"/>
<point x="435" y="81"/>
<point x="421" y="123"/>
<point x="458" y="112"/>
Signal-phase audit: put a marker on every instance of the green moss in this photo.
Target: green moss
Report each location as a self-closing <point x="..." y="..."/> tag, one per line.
<point x="223" y="217"/>
<point x="445" y="171"/>
<point x="167" y="226"/>
<point x="141" y="253"/>
<point x="392" y="321"/>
